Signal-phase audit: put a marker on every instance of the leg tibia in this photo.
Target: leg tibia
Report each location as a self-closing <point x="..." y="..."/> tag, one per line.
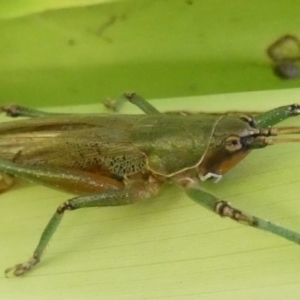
<point x="142" y="104"/>
<point x="224" y="209"/>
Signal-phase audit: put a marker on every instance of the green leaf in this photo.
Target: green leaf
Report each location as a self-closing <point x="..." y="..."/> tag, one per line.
<point x="72" y="52"/>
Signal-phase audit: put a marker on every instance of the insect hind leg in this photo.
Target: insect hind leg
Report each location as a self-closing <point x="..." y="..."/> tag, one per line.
<point x="75" y="181"/>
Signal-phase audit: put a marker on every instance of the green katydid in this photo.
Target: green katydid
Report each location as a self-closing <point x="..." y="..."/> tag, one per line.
<point x="112" y="160"/>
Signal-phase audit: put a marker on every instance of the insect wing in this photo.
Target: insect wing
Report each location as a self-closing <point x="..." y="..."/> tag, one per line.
<point x="87" y="142"/>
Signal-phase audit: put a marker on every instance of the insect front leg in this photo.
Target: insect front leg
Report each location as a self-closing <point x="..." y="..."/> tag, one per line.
<point x="14" y="110"/>
<point x="277" y="115"/>
<point x="135" y="192"/>
<point x="224" y="209"/>
<point x="141" y="103"/>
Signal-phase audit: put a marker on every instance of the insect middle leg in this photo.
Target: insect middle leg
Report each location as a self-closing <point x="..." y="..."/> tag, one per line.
<point x="107" y="198"/>
<point x="141" y="103"/>
<point x="224" y="209"/>
<point x="138" y="191"/>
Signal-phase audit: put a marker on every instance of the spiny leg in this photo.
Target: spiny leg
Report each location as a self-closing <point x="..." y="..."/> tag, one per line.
<point x="14" y="110"/>
<point x="145" y="106"/>
<point x="224" y="209"/>
<point x="108" y="198"/>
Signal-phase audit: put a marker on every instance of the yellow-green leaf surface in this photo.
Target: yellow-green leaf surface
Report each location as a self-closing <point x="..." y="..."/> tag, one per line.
<point x="76" y="52"/>
<point x="168" y="247"/>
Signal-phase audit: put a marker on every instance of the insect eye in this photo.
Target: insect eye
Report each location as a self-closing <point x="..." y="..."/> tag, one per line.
<point x="233" y="143"/>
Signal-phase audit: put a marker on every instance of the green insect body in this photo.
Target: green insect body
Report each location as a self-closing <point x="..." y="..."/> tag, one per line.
<point x="112" y="160"/>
